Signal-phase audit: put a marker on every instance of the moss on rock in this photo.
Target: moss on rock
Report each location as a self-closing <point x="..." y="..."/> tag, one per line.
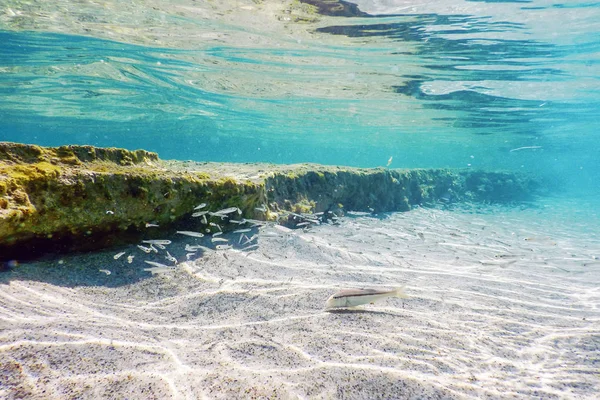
<point x="91" y="197"/>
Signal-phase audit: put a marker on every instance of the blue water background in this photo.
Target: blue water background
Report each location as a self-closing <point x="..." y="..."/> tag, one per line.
<point x="471" y="84"/>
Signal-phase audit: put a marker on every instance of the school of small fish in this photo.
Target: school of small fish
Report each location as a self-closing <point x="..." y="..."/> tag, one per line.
<point x="343" y="299"/>
<point x="248" y="230"/>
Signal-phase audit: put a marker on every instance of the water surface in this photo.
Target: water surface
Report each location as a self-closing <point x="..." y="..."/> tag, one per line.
<point x="432" y="84"/>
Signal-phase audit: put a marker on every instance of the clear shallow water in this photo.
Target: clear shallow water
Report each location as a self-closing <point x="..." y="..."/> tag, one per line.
<point x="433" y="84"/>
<point x="503" y="303"/>
<point x="495" y="84"/>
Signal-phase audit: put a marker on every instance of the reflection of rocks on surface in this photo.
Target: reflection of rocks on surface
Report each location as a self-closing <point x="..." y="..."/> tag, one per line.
<point x="82" y="197"/>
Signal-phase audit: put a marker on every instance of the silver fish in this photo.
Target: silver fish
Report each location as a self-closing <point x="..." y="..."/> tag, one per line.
<point x="159" y="270"/>
<point x="226" y="211"/>
<point x="200" y="206"/>
<point x="144" y="249"/>
<point x="160" y="243"/>
<point x="199" y="213"/>
<point x="159" y="265"/>
<point x="249" y="239"/>
<point x="190" y="233"/>
<point x="255" y="221"/>
<point x="356" y="297"/>
<point x="171" y="258"/>
<point x="116" y="256"/>
<point x="216" y="225"/>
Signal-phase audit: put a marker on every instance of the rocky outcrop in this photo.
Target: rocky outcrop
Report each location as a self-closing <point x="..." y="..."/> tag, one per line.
<point x="82" y="197"/>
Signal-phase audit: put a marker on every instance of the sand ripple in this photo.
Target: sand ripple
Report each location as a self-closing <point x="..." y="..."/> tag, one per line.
<point x="504" y="303"/>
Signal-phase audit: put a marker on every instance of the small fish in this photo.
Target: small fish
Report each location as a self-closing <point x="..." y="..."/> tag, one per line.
<point x="159" y="270"/>
<point x="254" y="221"/>
<point x="110" y="212"/>
<point x="216" y="225"/>
<point x="250" y="240"/>
<point x="218" y="239"/>
<point x="163" y="242"/>
<point x="189" y="255"/>
<point x="545" y="240"/>
<point x="157" y="264"/>
<point x="148" y="225"/>
<point x="145" y="249"/>
<point x="226" y="211"/>
<point x="217" y="234"/>
<point x="200" y="206"/>
<point x="233" y="221"/>
<point x="169" y="257"/>
<point x="262" y="208"/>
<point x="223" y="247"/>
<point x="302" y="224"/>
<point x="204" y="221"/>
<point x="525" y="148"/>
<point x="158" y="243"/>
<point x="130" y="259"/>
<point x="116" y="256"/>
<point x="497" y="262"/>
<point x="389" y="162"/>
<point x="190" y="233"/>
<point x="355" y="297"/>
<point x="199" y="213"/>
<point x="107" y="272"/>
<point x="242" y="230"/>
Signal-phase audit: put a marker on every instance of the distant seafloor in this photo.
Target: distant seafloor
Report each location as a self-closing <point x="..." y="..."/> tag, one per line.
<point x="504" y="303"/>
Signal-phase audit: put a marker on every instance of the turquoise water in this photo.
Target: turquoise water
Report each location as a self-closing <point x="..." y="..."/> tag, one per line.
<point x="504" y="300"/>
<point x="474" y="84"/>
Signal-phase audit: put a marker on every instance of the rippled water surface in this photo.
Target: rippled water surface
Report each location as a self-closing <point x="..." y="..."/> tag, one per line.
<point x="432" y="84"/>
<point x="503" y="301"/>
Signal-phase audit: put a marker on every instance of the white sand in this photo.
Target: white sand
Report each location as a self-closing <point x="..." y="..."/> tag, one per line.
<point x="491" y="315"/>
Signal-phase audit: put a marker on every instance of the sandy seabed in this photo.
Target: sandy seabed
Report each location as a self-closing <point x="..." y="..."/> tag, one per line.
<point x="504" y="303"/>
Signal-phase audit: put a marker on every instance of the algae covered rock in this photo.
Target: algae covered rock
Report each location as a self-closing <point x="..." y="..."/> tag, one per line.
<point x="82" y="197"/>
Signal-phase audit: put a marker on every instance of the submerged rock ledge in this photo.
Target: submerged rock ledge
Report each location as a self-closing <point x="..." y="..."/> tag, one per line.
<point x="73" y="198"/>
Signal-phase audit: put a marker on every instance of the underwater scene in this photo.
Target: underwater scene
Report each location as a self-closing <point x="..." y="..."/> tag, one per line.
<point x="299" y="199"/>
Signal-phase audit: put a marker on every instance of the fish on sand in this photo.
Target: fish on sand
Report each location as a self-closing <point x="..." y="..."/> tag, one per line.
<point x="355" y="297"/>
